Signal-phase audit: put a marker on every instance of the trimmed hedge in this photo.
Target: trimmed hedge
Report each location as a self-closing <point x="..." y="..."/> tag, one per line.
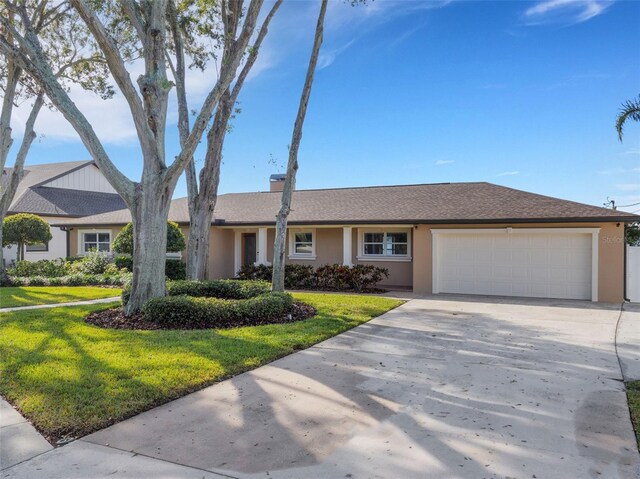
<point x="174" y="268"/>
<point x="216" y="288"/>
<point x="69" y="280"/>
<point x="219" y="288"/>
<point x="330" y="277"/>
<point x="187" y="312"/>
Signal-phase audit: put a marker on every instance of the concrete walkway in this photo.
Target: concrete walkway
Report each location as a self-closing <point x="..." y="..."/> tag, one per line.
<point x="19" y="440"/>
<point x="59" y="305"/>
<point x="446" y="388"/>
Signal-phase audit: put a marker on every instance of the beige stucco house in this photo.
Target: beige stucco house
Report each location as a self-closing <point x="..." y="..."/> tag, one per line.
<point x="469" y="238"/>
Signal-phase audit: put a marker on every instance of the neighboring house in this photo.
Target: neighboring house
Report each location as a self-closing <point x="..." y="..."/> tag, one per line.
<point x="473" y="238"/>
<point x="56" y="192"/>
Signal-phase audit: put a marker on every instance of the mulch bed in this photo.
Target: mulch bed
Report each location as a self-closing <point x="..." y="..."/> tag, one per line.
<point x="114" y="318"/>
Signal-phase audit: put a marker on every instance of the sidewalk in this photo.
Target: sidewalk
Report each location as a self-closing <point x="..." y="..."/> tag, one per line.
<point x="19" y="440"/>
<point x="59" y="305"/>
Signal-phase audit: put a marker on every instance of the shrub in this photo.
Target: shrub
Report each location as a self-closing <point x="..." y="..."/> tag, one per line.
<point x="175" y="269"/>
<point x="95" y="262"/>
<point x="216" y="288"/>
<point x="219" y="288"/>
<point x="50" y="268"/>
<point x="334" y="277"/>
<point x="124" y="262"/>
<point x="78" y="279"/>
<point x="124" y="241"/>
<point x="23" y="229"/>
<point x="187" y="312"/>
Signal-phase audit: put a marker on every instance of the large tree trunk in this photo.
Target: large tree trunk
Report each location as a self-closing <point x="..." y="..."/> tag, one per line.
<point x="277" y="280"/>
<point x="198" y="243"/>
<point x="150" y="246"/>
<point x="203" y="197"/>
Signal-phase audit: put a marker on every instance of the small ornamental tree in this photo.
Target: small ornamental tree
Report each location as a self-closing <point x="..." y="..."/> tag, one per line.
<point x="123" y="243"/>
<point x="23" y="229"/>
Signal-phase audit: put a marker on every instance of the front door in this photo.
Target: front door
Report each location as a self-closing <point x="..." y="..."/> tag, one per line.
<point x="248" y="249"/>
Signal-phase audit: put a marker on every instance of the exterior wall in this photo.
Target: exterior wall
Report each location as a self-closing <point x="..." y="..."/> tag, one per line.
<point x="57" y="245"/>
<point x="328" y="243"/>
<point x="89" y="178"/>
<point x="221" y="246"/>
<point x="400" y="272"/>
<point x="610" y="255"/>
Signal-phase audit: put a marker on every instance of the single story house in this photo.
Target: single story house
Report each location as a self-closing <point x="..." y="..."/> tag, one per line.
<point x="470" y="238"/>
<point x="59" y="191"/>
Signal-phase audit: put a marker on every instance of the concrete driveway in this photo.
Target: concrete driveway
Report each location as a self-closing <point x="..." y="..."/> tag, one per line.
<point x="453" y="387"/>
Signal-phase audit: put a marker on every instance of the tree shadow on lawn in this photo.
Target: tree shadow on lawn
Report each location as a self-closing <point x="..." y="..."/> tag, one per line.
<point x="70" y="378"/>
<point x="468" y="394"/>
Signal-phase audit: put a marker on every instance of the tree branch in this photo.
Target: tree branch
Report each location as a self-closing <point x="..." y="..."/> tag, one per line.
<point x="118" y="70"/>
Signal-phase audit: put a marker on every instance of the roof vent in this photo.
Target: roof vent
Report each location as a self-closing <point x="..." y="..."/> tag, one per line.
<point x="276" y="182"/>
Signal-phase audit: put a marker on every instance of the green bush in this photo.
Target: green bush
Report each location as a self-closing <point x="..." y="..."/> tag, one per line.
<point x="94" y="262"/>
<point x="216" y="288"/>
<point x="25" y="229"/>
<point x="124" y="262"/>
<point x="187" y="312"/>
<point x="175" y="269"/>
<point x="219" y="288"/>
<point x="123" y="243"/>
<point x="50" y="268"/>
<point x="120" y="279"/>
<point x="333" y="277"/>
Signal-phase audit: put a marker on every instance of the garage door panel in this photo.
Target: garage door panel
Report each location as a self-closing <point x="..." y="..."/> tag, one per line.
<point x="546" y="265"/>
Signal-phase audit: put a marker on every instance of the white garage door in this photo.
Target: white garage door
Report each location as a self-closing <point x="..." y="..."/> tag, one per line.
<point x="504" y="262"/>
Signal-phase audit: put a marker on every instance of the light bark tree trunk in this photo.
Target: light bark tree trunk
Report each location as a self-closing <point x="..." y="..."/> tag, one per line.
<point x="11" y="184"/>
<point x="149" y="199"/>
<point x="277" y="280"/>
<point x="203" y="196"/>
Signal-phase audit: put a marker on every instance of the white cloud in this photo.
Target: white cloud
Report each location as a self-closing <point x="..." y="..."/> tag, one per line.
<point x="508" y="173"/>
<point x="444" y="162"/>
<point x="565" y="11"/>
<point x="328" y="57"/>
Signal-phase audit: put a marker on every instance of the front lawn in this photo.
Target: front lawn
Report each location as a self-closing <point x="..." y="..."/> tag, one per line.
<point x="633" y="395"/>
<point x="32" y="295"/>
<point x="70" y="378"/>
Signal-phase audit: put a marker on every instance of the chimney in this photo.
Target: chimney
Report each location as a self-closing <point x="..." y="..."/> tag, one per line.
<point x="276" y="182"/>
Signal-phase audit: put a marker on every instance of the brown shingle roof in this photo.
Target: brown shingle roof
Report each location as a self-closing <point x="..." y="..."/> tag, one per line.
<point x="430" y="203"/>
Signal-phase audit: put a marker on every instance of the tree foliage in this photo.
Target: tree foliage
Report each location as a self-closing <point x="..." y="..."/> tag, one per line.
<point x="633" y="234"/>
<point x="25" y="229"/>
<point x="630" y="110"/>
<point x="123" y="243"/>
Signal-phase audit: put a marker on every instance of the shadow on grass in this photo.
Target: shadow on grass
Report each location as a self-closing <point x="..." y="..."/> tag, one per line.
<point x="70" y="378"/>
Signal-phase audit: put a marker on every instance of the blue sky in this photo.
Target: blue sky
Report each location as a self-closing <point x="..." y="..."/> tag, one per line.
<point x="522" y="94"/>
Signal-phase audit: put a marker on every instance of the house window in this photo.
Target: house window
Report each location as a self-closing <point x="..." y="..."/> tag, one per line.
<point x="95" y="241"/>
<point x="40" y="247"/>
<point x="302" y="244"/>
<point x="384" y="245"/>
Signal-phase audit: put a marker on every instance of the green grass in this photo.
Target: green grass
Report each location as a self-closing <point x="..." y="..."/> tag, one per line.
<point x="32" y="295"/>
<point x="633" y="395"/>
<point x="70" y="378"/>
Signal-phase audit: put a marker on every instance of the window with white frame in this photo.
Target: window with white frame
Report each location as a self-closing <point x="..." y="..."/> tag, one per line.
<point x="385" y="245"/>
<point x="95" y="241"/>
<point x="302" y="244"/>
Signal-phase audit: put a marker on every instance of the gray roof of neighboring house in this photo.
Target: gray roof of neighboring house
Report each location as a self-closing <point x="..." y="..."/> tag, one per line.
<point x="428" y="203"/>
<point x="32" y="197"/>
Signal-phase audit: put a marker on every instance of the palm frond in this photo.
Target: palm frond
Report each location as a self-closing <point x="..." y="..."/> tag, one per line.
<point x="630" y="110"/>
